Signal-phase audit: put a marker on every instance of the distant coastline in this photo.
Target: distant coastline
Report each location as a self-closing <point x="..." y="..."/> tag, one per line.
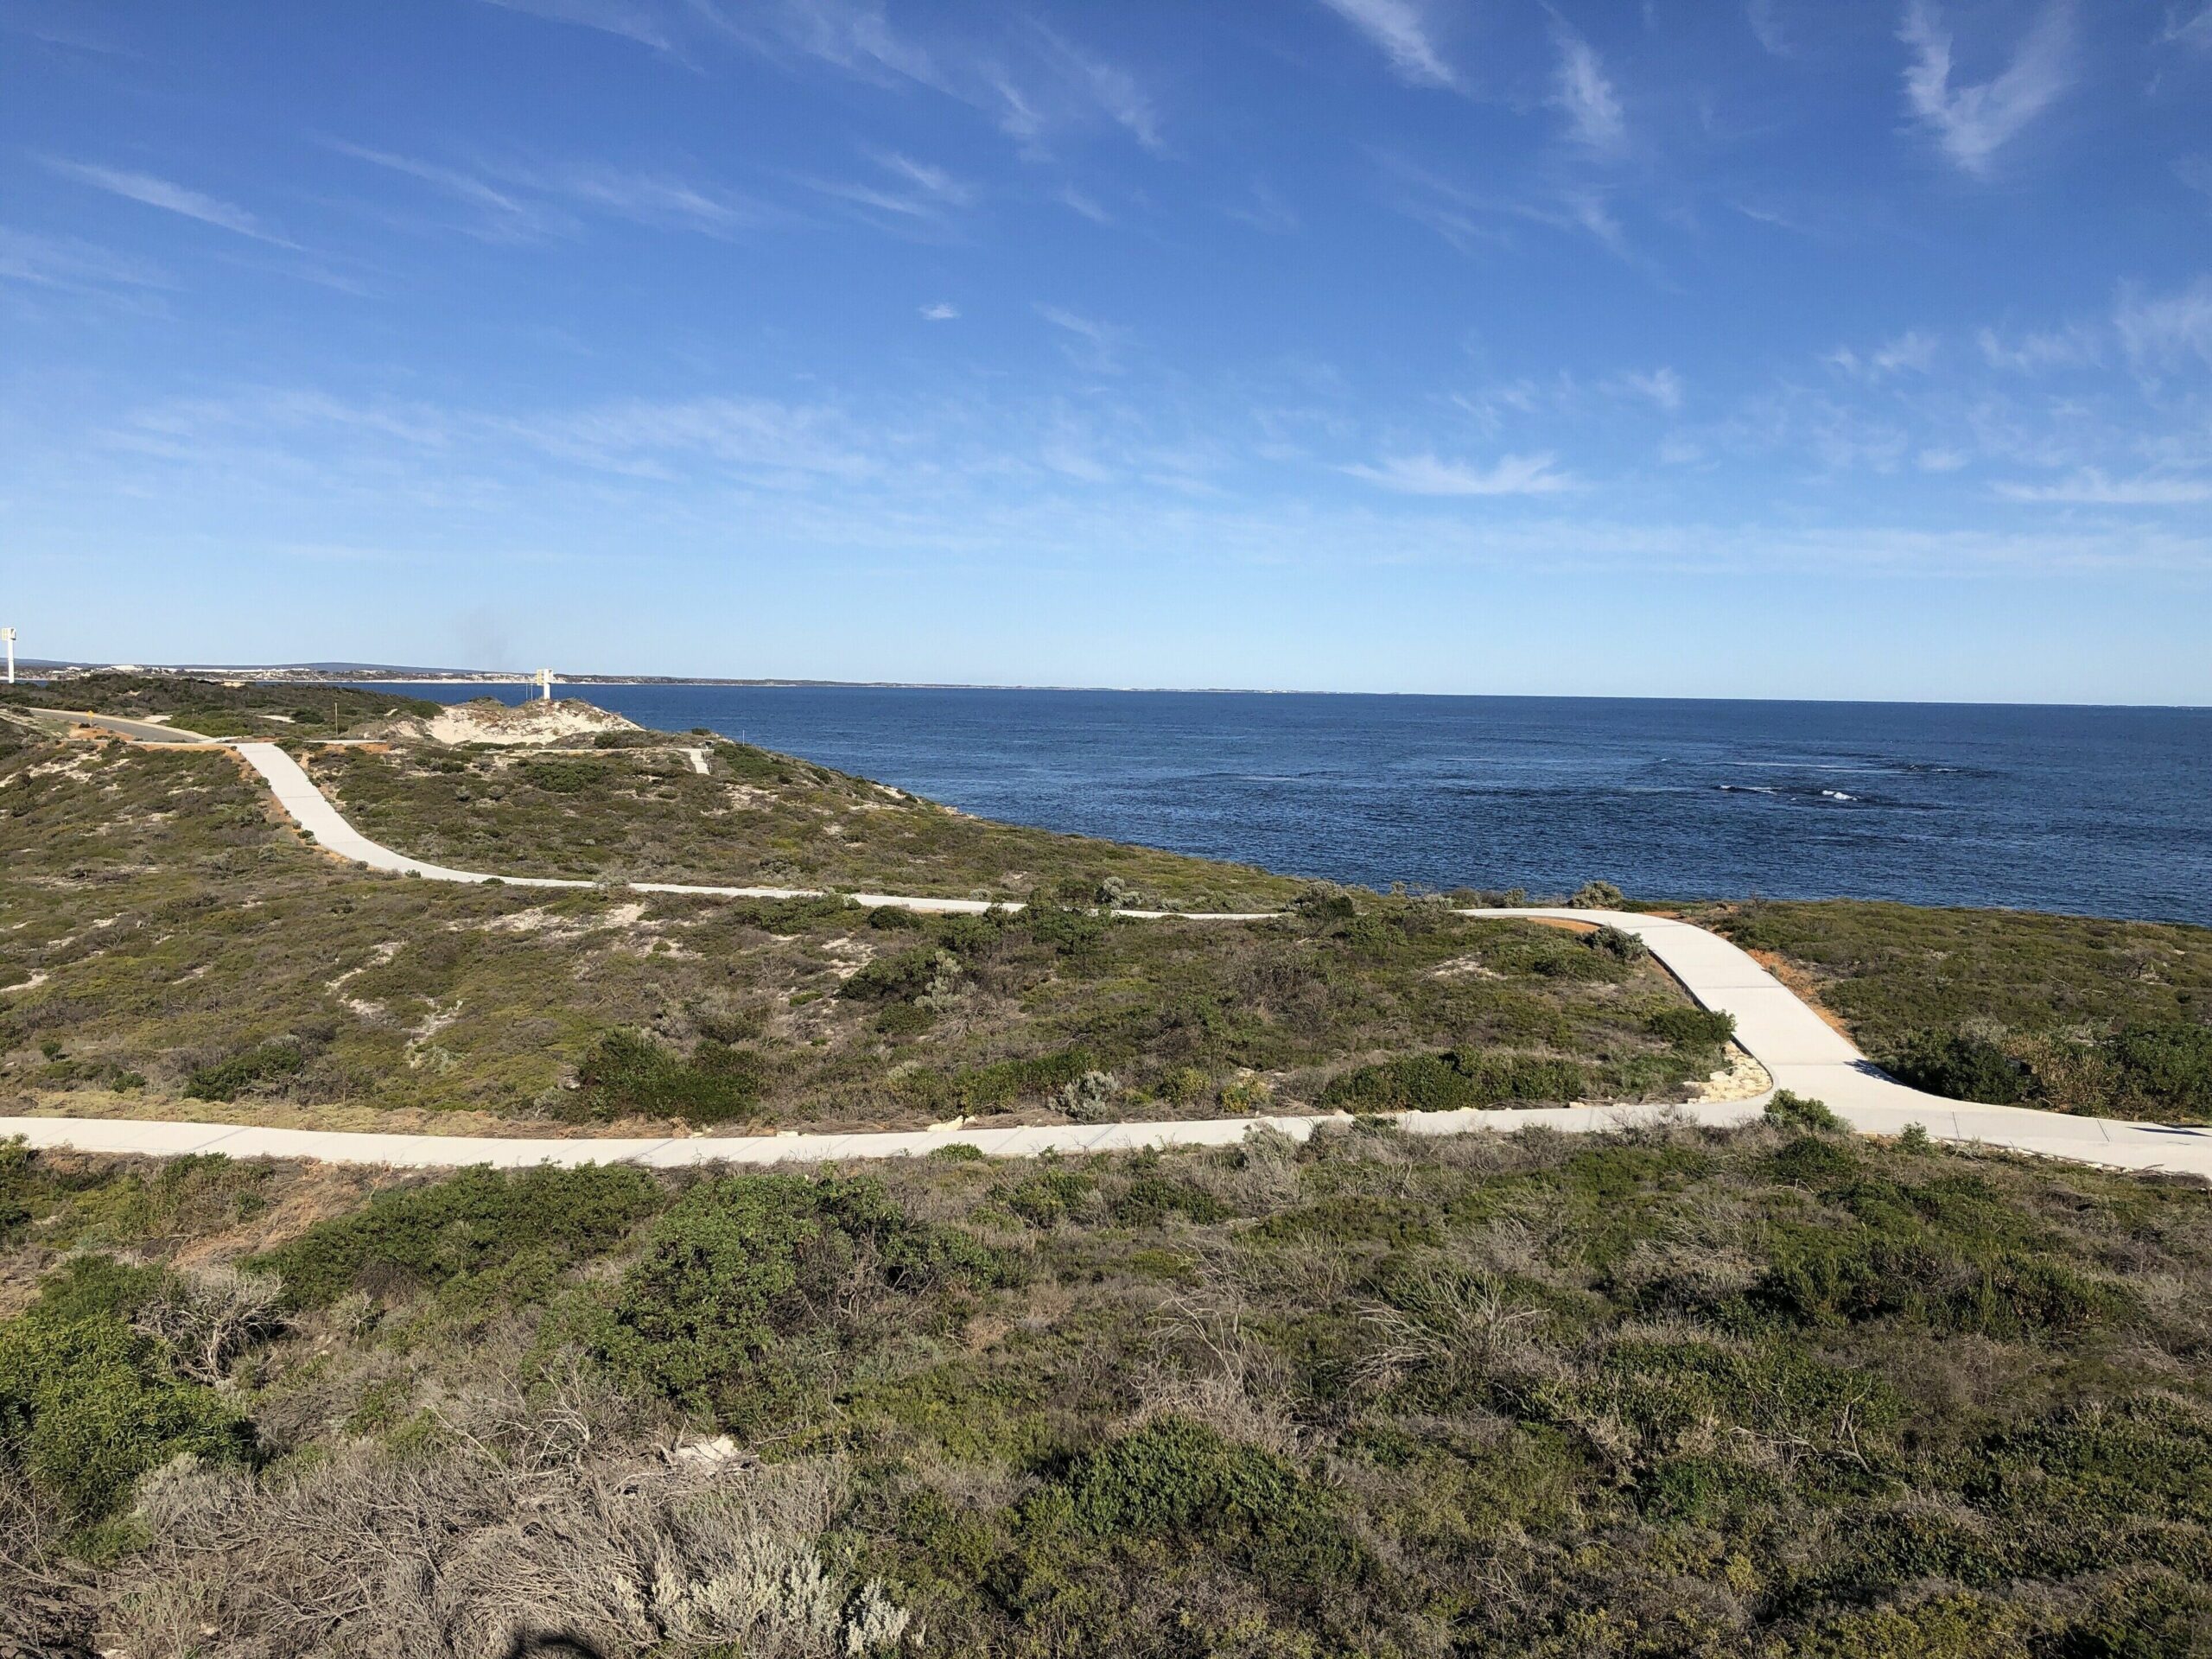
<point x="387" y="674"/>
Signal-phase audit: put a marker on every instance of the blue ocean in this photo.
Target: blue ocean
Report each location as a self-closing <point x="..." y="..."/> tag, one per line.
<point x="2106" y="811"/>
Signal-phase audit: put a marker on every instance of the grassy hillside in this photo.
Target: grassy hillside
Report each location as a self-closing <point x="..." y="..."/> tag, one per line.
<point x="168" y="947"/>
<point x="2070" y="1013"/>
<point x="1763" y="1393"/>
<point x="636" y="811"/>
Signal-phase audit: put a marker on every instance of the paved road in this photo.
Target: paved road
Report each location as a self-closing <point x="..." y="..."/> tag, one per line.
<point x="146" y="731"/>
<point x="1807" y="1055"/>
<point x="1800" y="1050"/>
<point x="312" y="810"/>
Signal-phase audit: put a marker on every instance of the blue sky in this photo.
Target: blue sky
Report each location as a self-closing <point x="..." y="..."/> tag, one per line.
<point x="1774" y="349"/>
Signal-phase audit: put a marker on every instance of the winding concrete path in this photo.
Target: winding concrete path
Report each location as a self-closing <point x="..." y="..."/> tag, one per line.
<point x="1801" y="1051"/>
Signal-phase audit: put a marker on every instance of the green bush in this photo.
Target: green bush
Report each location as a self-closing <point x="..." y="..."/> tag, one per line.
<point x="471" y="1222"/>
<point x="1691" y="1028"/>
<point x="86" y="1404"/>
<point x="1151" y="1199"/>
<point x="744" y="1282"/>
<point x="264" y="1063"/>
<point x="900" y="977"/>
<point x="1618" y="944"/>
<point x="1177" y="1482"/>
<point x="983" y="1087"/>
<point x="1907" y="1271"/>
<point x="565" y="776"/>
<point x="1453" y="1080"/>
<point x="1069" y="929"/>
<point x="1049" y="1197"/>
<point x="1960" y="1066"/>
<point x="626" y="1071"/>
<point x="2170" y="1065"/>
<point x="1177" y="1478"/>
<point x="1595" y="895"/>
<point x="1789" y="1111"/>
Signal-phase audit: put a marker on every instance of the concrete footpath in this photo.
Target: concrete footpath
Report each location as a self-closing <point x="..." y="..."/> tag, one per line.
<point x="1801" y="1051"/>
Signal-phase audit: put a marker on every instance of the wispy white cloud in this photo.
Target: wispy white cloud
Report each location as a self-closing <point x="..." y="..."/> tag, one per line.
<point x="1581" y="91"/>
<point x="914" y="193"/>
<point x="854" y="35"/>
<point x="943" y="311"/>
<point x="169" y="197"/>
<point x="1477" y="221"/>
<point x="519" y="203"/>
<point x="776" y="443"/>
<point x="2071" y="347"/>
<point x="1097" y="347"/>
<point x="1399" y="28"/>
<point x="2090" y="488"/>
<point x="1081" y="205"/>
<point x="1265" y="211"/>
<point x="2191" y="29"/>
<point x="651" y="198"/>
<point x="2195" y="172"/>
<point x="501" y="214"/>
<point x="1424" y="474"/>
<point x="2162" y="332"/>
<point x="65" y="262"/>
<point x="1663" y="386"/>
<point x="1972" y="121"/>
<point x="1088" y="79"/>
<point x="1764" y="18"/>
<point x="1033" y="80"/>
<point x="1912" y="351"/>
<point x="631" y="22"/>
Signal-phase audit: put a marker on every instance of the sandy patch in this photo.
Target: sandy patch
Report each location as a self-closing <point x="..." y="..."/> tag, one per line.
<point x="361" y="1007"/>
<point x="1467" y="967"/>
<point x="485" y="721"/>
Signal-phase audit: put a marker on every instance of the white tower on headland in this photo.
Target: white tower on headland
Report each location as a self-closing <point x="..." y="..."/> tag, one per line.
<point x="546" y="684"/>
<point x="8" y="637"/>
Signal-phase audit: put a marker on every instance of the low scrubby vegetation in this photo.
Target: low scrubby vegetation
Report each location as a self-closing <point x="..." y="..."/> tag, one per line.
<point x="2068" y="1012"/>
<point x="639" y="810"/>
<point x="248" y="709"/>
<point x="1667" y="1392"/>
<point x="171" y="947"/>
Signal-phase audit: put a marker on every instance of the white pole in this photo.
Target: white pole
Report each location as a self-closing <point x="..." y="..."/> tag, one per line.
<point x="545" y="684"/>
<point x="9" y="634"/>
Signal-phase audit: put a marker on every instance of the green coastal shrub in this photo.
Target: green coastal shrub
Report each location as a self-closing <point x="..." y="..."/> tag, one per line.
<point x="1176" y="1476"/>
<point x="627" y="1072"/>
<point x="1691" y="1028"/>
<point x="565" y="776"/>
<point x="1453" y="1080"/>
<point x="1049" y="1197"/>
<point x="86" y="1406"/>
<point x="264" y="1063"/>
<point x="1595" y="895"/>
<point x="899" y="977"/>
<point x="738" y="1299"/>
<point x="1961" y="1067"/>
<point x="1070" y="930"/>
<point x="1789" y="1111"/>
<point x="2169" y="1065"/>
<point x="1177" y="1486"/>
<point x="983" y="1088"/>
<point x="475" y="1222"/>
<point x="1618" y="944"/>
